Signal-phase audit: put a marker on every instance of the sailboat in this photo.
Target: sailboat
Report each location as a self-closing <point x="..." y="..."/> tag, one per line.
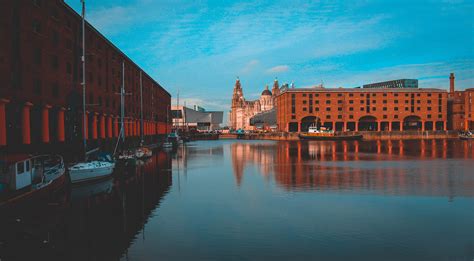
<point x="103" y="165"/>
<point x="142" y="152"/>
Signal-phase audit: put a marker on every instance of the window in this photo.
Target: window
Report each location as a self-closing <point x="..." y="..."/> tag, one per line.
<point x="351" y="116"/>
<point x="395" y="101"/>
<point x="351" y="94"/>
<point x="429" y="101"/>
<point x="328" y="102"/>
<point x="339" y="95"/>
<point x="406" y="94"/>
<point x="429" y="116"/>
<point x="328" y="95"/>
<point x="429" y="94"/>
<point x="316" y="109"/>
<point x="418" y="101"/>
<point x="27" y="165"/>
<point x="36" y="26"/>
<point x="351" y="101"/>
<point x="339" y="101"/>
<point x="38" y="3"/>
<point x="361" y="95"/>
<point x="362" y="108"/>
<point x="304" y="109"/>
<point x="37" y="87"/>
<point x="328" y="109"/>
<point x="316" y="95"/>
<point x="384" y="101"/>
<point x="361" y="101"/>
<point x="20" y="167"/>
<point x="328" y="116"/>
<point x="339" y="109"/>
<point x="384" y="95"/>
<point x="55" y="90"/>
<point x="418" y="108"/>
<point x="316" y="102"/>
<point x="304" y="94"/>
<point x="68" y="68"/>
<point x="406" y="101"/>
<point x="339" y="116"/>
<point x="55" y="38"/>
<point x="440" y="116"/>
<point x="385" y="116"/>
<point x="37" y="56"/>
<point x="374" y="101"/>
<point x="417" y="95"/>
<point x="384" y="109"/>
<point x="54" y="62"/>
<point x="429" y="108"/>
<point x="293" y="117"/>
<point x="406" y="108"/>
<point x="304" y="102"/>
<point x="373" y="94"/>
<point x="374" y="108"/>
<point x="350" y="108"/>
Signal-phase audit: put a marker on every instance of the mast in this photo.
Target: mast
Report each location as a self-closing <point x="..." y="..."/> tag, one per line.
<point x="84" y="115"/>
<point x="122" y="102"/>
<point x="141" y="109"/>
<point x="177" y="109"/>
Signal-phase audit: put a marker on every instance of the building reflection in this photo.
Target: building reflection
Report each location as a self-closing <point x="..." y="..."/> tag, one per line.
<point x="98" y="221"/>
<point x="387" y="167"/>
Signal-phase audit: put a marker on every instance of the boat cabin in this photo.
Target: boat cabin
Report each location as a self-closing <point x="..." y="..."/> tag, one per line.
<point x="16" y="172"/>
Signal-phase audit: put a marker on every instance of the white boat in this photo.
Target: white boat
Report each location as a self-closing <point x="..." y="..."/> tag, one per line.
<point x="86" y="171"/>
<point x="143" y="153"/>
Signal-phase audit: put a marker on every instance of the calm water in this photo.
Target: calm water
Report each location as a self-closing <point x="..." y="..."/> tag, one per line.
<point x="255" y="200"/>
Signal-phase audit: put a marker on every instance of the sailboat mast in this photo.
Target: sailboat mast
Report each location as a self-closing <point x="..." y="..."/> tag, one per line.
<point x="84" y="114"/>
<point x="122" y="102"/>
<point x="141" y="109"/>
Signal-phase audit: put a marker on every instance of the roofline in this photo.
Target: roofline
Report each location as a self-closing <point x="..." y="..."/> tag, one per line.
<point x="74" y="13"/>
<point x="359" y="90"/>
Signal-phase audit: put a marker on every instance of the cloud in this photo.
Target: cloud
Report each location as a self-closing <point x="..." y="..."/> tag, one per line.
<point x="278" y="69"/>
<point x="250" y="66"/>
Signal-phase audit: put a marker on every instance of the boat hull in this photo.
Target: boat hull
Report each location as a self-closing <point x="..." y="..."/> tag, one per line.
<point x="338" y="137"/>
<point x="466" y="138"/>
<point x="99" y="170"/>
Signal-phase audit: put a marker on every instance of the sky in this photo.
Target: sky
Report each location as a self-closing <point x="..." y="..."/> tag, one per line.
<point x="199" y="47"/>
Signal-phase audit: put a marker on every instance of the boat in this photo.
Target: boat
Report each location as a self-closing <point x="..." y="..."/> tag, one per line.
<point x="143" y="153"/>
<point x="100" y="168"/>
<point x="315" y="133"/>
<point x="103" y="165"/>
<point x="466" y="136"/>
<point x="23" y="177"/>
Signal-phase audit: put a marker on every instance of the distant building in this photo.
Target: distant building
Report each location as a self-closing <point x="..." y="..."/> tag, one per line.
<point x="265" y="120"/>
<point x="460" y="107"/>
<point x="242" y="110"/>
<point x="402" y="83"/>
<point x="195" y="119"/>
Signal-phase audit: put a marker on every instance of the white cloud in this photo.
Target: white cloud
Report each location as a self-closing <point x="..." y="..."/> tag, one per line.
<point x="250" y="66"/>
<point x="278" y="69"/>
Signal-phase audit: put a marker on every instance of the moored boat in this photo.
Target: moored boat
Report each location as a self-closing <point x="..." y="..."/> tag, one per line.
<point x="315" y="133"/>
<point x="92" y="170"/>
<point x="24" y="177"/>
<point x="466" y="136"/>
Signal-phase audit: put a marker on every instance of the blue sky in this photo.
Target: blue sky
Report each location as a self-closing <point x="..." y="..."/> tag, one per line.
<point x="199" y="47"/>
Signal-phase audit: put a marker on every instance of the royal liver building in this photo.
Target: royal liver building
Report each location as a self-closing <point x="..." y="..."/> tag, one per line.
<point x="242" y="110"/>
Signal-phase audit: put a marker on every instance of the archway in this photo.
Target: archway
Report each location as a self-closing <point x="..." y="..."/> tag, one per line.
<point x="307" y="121"/>
<point x="368" y="123"/>
<point x="412" y="123"/>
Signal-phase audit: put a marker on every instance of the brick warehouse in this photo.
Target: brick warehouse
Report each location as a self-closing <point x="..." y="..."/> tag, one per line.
<point x="379" y="109"/>
<point x="41" y="75"/>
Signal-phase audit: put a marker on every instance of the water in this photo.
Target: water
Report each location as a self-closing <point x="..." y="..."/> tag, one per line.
<point x="264" y="200"/>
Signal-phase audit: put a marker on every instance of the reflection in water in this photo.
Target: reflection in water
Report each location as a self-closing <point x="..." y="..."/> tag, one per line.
<point x="389" y="167"/>
<point x="99" y="220"/>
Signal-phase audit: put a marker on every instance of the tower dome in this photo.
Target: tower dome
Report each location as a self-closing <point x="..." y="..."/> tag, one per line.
<point x="266" y="91"/>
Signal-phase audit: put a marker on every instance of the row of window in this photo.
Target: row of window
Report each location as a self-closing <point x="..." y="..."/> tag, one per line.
<point x="328" y="117"/>
<point x="363" y="101"/>
<point x="366" y="94"/>
<point x="373" y="109"/>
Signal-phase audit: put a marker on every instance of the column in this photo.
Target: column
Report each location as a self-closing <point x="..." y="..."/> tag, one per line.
<point x="61" y="134"/>
<point x="466" y="125"/>
<point x="94" y="126"/>
<point x="3" y="122"/>
<point x="389" y="126"/>
<point x="422" y="125"/>
<point x="25" y="123"/>
<point x="86" y="134"/>
<point x="356" y="126"/>
<point x="344" y="126"/>
<point x="102" y="126"/>
<point x="45" y="123"/>
<point x="109" y="126"/>
<point x="379" y="127"/>
<point x="116" y="127"/>
<point x="139" y="128"/>
<point x="445" y="126"/>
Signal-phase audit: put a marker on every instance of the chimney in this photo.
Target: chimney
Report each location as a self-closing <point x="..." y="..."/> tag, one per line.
<point x="451" y="83"/>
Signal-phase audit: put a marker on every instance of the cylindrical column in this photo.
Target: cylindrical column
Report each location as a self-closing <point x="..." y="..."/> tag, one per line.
<point x="445" y="126"/>
<point x="379" y="128"/>
<point x="86" y="129"/>
<point x="25" y="123"/>
<point x="3" y="122"/>
<point x="422" y="125"/>
<point x="389" y="126"/>
<point x="116" y="127"/>
<point x="109" y="126"/>
<point x="45" y="123"/>
<point x="102" y="126"/>
<point x="94" y="126"/>
<point x="61" y="134"/>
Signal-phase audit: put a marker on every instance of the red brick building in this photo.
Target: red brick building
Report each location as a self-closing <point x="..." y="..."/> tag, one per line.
<point x="41" y="75"/>
<point x="460" y="108"/>
<point x="362" y="109"/>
